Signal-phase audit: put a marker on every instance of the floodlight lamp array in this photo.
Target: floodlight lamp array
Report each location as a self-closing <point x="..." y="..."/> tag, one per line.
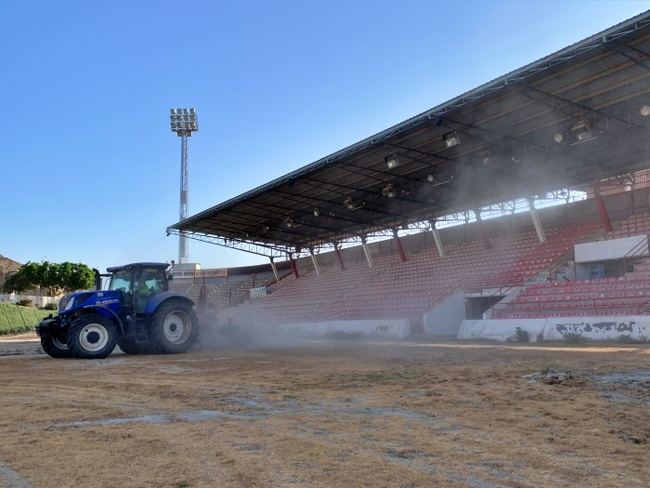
<point x="183" y="121"/>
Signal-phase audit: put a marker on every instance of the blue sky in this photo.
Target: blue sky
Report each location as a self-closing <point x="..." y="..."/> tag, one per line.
<point x="90" y="169"/>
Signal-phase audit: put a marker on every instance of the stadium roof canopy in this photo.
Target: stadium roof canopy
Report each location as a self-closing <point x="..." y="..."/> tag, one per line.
<point x="575" y="117"/>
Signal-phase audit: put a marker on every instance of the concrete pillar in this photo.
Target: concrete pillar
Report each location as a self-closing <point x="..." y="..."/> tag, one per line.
<point x="364" y="245"/>
<point x="275" y="270"/>
<point x="537" y="222"/>
<point x="481" y="228"/>
<point x="398" y="243"/>
<point x="437" y="239"/>
<point x="294" y="268"/>
<point x="339" y="256"/>
<point x="602" y="210"/>
<point x="313" y="260"/>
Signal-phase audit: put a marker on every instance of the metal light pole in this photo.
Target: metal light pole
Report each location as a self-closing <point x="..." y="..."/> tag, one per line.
<point x="183" y="122"/>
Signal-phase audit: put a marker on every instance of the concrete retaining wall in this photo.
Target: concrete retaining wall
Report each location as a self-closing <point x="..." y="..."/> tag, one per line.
<point x="557" y="328"/>
<point x="385" y="328"/>
<point x="500" y="330"/>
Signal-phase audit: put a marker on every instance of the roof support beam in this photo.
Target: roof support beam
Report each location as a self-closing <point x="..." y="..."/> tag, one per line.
<point x="339" y="256"/>
<point x="537" y="222"/>
<point x="252" y="248"/>
<point x="309" y="199"/>
<point x="602" y="210"/>
<point x="314" y="261"/>
<point x="319" y="184"/>
<point x="580" y="105"/>
<point x="294" y="268"/>
<point x="221" y="222"/>
<point x="398" y="244"/>
<point x="437" y="239"/>
<point x="366" y="251"/>
<point x="275" y="269"/>
<point x="639" y="62"/>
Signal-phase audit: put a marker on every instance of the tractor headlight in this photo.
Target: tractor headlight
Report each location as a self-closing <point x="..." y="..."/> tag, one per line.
<point x="69" y="303"/>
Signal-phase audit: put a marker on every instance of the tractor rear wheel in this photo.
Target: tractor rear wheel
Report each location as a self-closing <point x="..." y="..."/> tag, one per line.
<point x="55" y="347"/>
<point x="91" y="336"/>
<point x="174" y="327"/>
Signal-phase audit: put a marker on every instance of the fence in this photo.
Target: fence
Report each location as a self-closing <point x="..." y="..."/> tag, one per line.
<point x="38" y="301"/>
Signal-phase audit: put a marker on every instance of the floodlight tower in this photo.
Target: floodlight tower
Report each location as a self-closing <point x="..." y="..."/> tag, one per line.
<point x="183" y="122"/>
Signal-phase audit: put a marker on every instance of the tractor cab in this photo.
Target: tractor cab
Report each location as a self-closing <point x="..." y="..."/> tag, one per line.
<point x="138" y="283"/>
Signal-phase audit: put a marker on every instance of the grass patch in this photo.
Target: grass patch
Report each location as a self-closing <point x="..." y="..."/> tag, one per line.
<point x="15" y="319"/>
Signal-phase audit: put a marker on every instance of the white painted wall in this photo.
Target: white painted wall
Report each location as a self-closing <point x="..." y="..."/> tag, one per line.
<point x="385" y="328"/>
<point x="500" y="330"/>
<point x="611" y="249"/>
<point x="555" y="329"/>
<point x="253" y="319"/>
<point x="599" y="328"/>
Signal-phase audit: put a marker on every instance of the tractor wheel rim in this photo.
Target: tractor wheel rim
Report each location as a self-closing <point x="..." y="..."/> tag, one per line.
<point x="93" y="337"/>
<point x="177" y="327"/>
<point x="59" y="344"/>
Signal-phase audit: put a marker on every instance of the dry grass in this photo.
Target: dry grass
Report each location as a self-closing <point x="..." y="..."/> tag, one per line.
<point x="329" y="414"/>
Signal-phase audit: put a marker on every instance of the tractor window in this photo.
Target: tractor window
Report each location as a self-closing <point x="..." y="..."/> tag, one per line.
<point x="153" y="280"/>
<point x="150" y="282"/>
<point x="121" y="280"/>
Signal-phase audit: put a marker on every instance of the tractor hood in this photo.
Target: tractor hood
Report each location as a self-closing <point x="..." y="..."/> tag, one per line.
<point x="81" y="299"/>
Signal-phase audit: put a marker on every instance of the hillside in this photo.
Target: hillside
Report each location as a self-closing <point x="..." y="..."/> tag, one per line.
<point x="7" y="266"/>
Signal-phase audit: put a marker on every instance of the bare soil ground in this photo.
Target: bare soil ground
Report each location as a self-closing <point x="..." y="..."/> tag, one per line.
<point x="328" y="414"/>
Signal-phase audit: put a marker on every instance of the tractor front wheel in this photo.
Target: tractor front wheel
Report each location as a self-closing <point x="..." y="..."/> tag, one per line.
<point x="55" y="347"/>
<point x="91" y="336"/>
<point x="174" y="327"/>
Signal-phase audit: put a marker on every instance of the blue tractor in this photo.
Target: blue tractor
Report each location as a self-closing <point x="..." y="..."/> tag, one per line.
<point x="136" y="312"/>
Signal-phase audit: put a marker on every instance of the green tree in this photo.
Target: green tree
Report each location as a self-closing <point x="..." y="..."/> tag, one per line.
<point x="77" y="276"/>
<point x="16" y="281"/>
<point x="53" y="276"/>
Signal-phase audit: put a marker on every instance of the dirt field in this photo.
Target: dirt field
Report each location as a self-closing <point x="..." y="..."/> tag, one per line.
<point x="328" y="414"/>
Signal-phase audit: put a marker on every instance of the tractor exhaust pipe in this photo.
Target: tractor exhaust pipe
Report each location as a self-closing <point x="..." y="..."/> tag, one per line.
<point x="98" y="279"/>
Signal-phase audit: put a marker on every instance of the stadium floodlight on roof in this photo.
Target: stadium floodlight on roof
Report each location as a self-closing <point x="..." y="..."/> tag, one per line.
<point x="183" y="121"/>
<point x="392" y="161"/>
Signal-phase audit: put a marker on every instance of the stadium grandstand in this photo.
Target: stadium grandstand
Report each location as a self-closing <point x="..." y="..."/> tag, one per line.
<point x="524" y="203"/>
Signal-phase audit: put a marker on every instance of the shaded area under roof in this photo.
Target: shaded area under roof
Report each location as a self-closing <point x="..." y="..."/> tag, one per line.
<point x="571" y="118"/>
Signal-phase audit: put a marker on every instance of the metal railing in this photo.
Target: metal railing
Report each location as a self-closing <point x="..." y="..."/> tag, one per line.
<point x="640" y="249"/>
